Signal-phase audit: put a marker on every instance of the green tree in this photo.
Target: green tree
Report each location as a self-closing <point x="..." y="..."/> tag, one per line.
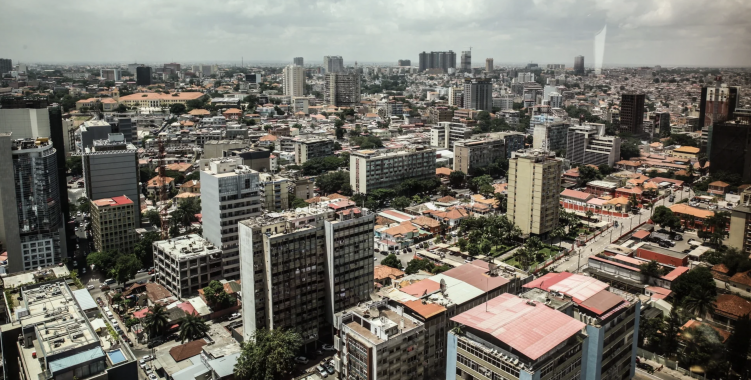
<point x="605" y="169"/>
<point x="268" y="355"/>
<point x="153" y="217"/>
<point x="392" y="261"/>
<point x="629" y="150"/>
<point x="216" y="295"/>
<point x="144" y="248"/>
<point x="121" y="108"/>
<point x="126" y="267"/>
<point x="700" y="302"/>
<point x="462" y="244"/>
<point x="74" y="165"/>
<point x="187" y="209"/>
<point x="478" y="182"/>
<point x="192" y="327"/>
<point x="103" y="261"/>
<point x="334" y="182"/>
<point x="695" y="283"/>
<point x="156" y="320"/>
<point x="587" y="174"/>
<point x="651" y="268"/>
<point x="177" y="108"/>
<point x="400" y="203"/>
<point x="296" y="202"/>
<point x="665" y="217"/>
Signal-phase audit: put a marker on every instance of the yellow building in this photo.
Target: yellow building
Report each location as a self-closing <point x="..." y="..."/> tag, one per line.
<point x="113" y="222"/>
<point x="534" y="181"/>
<point x="686" y="152"/>
<point x="153" y="99"/>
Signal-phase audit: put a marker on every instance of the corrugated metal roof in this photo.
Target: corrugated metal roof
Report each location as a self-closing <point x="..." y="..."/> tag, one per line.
<point x="76" y="359"/>
<point x="475" y="274"/>
<point x="84" y="299"/>
<point x="531" y="330"/>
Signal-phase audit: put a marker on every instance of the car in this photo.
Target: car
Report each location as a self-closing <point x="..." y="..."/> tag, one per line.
<point x="330" y="369"/>
<point x="234" y="316"/>
<point x="147" y="357"/>
<point x="322" y="371"/>
<point x="375" y="259"/>
<point x="90" y="287"/>
<point x="301" y="359"/>
<point x="645" y="366"/>
<point x="677" y="237"/>
<point x="104" y="287"/>
<point x="75" y="229"/>
<point x="153" y="377"/>
<point x="143" y="366"/>
<point x="687" y="250"/>
<point x="328" y="347"/>
<point x="142" y="270"/>
<point x="154" y="343"/>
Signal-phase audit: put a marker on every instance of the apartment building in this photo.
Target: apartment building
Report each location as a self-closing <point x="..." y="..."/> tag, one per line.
<point x="632" y="113"/>
<point x="587" y="145"/>
<point x="113" y="224"/>
<point x="504" y="102"/>
<point x="446" y="133"/>
<point x="293" y="80"/>
<point x="378" y="341"/>
<point x="341" y="90"/>
<point x="549" y="136"/>
<point x="54" y="337"/>
<point x="488" y="65"/>
<point x="110" y="169"/>
<point x="534" y="179"/>
<point x="306" y="149"/>
<point x="333" y="64"/>
<point x="443" y="60"/>
<point x="32" y="230"/>
<point x="275" y="191"/>
<point x="740" y="228"/>
<point x="299" y="61"/>
<point x="478" y="94"/>
<point x="440" y="114"/>
<point x="230" y="192"/>
<point x="186" y="263"/>
<point x="512" y="141"/>
<point x="611" y="317"/>
<point x="375" y="169"/>
<point x="110" y="74"/>
<point x="510" y="337"/>
<point x="456" y="97"/>
<point x="304" y="266"/>
<point x="473" y="154"/>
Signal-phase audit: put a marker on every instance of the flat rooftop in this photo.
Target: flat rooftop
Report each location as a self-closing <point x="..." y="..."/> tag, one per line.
<point x="115" y="201"/>
<point x="384" y="322"/>
<point x="663" y="251"/>
<point x="525" y="325"/>
<point x="187" y="247"/>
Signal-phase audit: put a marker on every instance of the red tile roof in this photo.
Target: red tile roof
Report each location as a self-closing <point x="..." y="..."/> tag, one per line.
<point x="426" y="310"/>
<point x="732" y="305"/>
<point x="419" y="288"/>
<point x="742" y="278"/>
<point x="187" y="350"/>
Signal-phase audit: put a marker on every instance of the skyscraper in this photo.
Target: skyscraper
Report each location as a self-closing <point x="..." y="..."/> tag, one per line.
<point x="466" y="63"/>
<point x="632" y="113"/>
<point x="293" y="80"/>
<point x="230" y="192"/>
<point x="32" y="227"/>
<point x="143" y="76"/>
<point x="534" y="179"/>
<point x="717" y="102"/>
<point x="298" y="61"/>
<point x="579" y="65"/>
<point x="110" y="74"/>
<point x="110" y="169"/>
<point x="404" y="62"/>
<point x="333" y="64"/>
<point x="443" y="60"/>
<point x="6" y="65"/>
<point x="478" y="94"/>
<point x="342" y="90"/>
<point x="488" y="64"/>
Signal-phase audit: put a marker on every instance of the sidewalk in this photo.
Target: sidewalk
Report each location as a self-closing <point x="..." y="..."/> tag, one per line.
<point x="678" y="374"/>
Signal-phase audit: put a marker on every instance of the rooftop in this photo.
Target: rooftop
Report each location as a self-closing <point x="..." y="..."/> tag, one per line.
<point x="115" y="201"/>
<point x="527" y="326"/>
<point x="187" y="247"/>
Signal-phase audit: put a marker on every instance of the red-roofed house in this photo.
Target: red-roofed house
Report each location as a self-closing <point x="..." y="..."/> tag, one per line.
<point x="729" y="308"/>
<point x="741" y="280"/>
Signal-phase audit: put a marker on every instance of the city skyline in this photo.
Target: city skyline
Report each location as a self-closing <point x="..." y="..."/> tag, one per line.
<point x="647" y="33"/>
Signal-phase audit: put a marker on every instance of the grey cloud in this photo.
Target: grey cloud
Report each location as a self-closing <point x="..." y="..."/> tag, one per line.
<point x="667" y="32"/>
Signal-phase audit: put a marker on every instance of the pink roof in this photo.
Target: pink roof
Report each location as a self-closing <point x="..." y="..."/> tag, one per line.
<point x="611" y="262"/>
<point x="675" y="273"/>
<point x="531" y="330"/>
<point x="140" y="313"/>
<point x="576" y="194"/>
<point x="420" y="287"/>
<point x="597" y="201"/>
<point x="187" y="308"/>
<point x="476" y="274"/>
<point x="641" y="234"/>
<point x="576" y="286"/>
<point x="341" y="204"/>
<point x="659" y="292"/>
<point x="399" y="215"/>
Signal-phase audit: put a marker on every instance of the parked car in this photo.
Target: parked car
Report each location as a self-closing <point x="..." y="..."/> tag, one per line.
<point x="322" y="371"/>
<point x="328" y="347"/>
<point x="301" y="359"/>
<point x="104" y="287"/>
<point x="90" y="287"/>
<point x="330" y="369"/>
<point x="678" y="237"/>
<point x="233" y="316"/>
<point x="645" y="366"/>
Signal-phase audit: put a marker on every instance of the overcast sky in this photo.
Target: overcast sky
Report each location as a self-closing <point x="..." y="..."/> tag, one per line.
<point x="648" y="32"/>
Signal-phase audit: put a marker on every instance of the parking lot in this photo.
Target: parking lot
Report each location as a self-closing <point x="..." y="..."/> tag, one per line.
<point x="310" y="368"/>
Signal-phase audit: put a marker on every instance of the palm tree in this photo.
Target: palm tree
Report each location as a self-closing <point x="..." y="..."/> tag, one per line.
<point x="522" y="257"/>
<point x="156" y="320"/>
<point x="589" y="213"/>
<point x="559" y="233"/>
<point x="192" y="327"/>
<point x="700" y="302"/>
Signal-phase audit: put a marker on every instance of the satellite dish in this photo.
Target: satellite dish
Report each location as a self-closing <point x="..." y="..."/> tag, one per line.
<point x="443" y="286"/>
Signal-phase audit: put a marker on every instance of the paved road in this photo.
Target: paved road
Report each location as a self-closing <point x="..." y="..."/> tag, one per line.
<point x="643" y="375"/>
<point x="578" y="259"/>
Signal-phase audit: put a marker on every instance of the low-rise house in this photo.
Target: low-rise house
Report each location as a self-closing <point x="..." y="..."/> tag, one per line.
<point x="718" y="188"/>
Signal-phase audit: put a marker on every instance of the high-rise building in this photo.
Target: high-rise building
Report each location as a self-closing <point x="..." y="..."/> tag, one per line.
<point x="298" y="61"/>
<point x="29" y="118"/>
<point x="466" y="61"/>
<point x="230" y="192"/>
<point x="717" y="102"/>
<point x="143" y="76"/>
<point x="253" y="78"/>
<point x="404" y="62"/>
<point x="132" y="67"/>
<point x="32" y="228"/>
<point x="632" y="113"/>
<point x="110" y="74"/>
<point x="6" y="65"/>
<point x="372" y="169"/>
<point x="440" y="114"/>
<point x="304" y="266"/>
<point x="443" y="60"/>
<point x="505" y="102"/>
<point x="549" y="135"/>
<point x="275" y="192"/>
<point x="477" y="153"/>
<point x="456" y="96"/>
<point x="342" y="90"/>
<point x="446" y="133"/>
<point x="555" y="100"/>
<point x="113" y="224"/>
<point x="740" y="228"/>
<point x="110" y="169"/>
<point x="122" y="123"/>
<point x="187" y="263"/>
<point x="488" y="65"/>
<point x="333" y="64"/>
<point x="175" y="67"/>
<point x="478" y="94"/>
<point x="730" y="148"/>
<point x="534" y="179"/>
<point x="525" y="77"/>
<point x="293" y="80"/>
<point x="306" y="149"/>
<point x="579" y="65"/>
<point x="587" y="145"/>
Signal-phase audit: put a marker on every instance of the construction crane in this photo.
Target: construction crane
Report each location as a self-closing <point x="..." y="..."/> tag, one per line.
<point x="163" y="196"/>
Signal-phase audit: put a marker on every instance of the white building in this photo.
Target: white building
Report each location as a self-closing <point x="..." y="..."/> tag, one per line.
<point x="293" y="78"/>
<point x="186" y="264"/>
<point x="588" y="145"/>
<point x="371" y="169"/>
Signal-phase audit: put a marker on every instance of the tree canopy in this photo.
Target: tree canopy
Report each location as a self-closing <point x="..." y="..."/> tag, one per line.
<point x="392" y="261"/>
<point x="216" y="295"/>
<point x="665" y="217"/>
<point x="268" y="355"/>
<point x="334" y="182"/>
<point x="416" y="265"/>
<point x="318" y="165"/>
<point x="693" y="283"/>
